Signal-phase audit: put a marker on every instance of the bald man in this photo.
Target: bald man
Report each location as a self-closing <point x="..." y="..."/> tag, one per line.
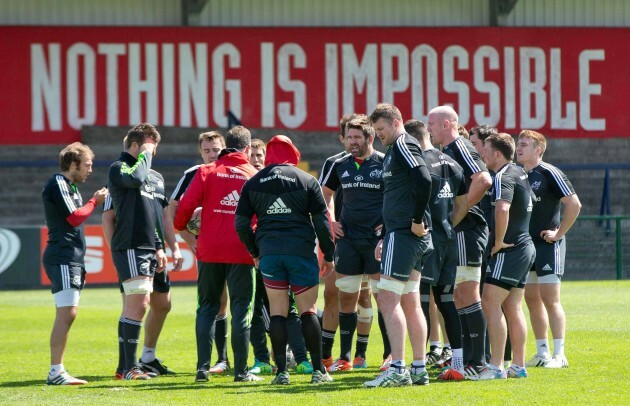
<point x="472" y="235"/>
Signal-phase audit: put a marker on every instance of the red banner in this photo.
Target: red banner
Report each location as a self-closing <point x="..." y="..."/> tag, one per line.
<point x="565" y="82"/>
<point x="98" y="259"/>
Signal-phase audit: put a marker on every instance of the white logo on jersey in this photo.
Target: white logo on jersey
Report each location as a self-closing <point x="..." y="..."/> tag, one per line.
<point x="345" y="174"/>
<point x="278" y="207"/>
<point x="546" y="267"/>
<point x="231" y="199"/>
<point x="530" y="206"/>
<point x="358" y="178"/>
<point x="536" y="185"/>
<point x="445" y="193"/>
<point x="376" y="173"/>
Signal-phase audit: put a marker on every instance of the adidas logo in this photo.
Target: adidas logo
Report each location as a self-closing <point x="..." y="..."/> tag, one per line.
<point x="278" y="207"/>
<point x="546" y="267"/>
<point x="345" y="174"/>
<point x="231" y="199"/>
<point x="445" y="193"/>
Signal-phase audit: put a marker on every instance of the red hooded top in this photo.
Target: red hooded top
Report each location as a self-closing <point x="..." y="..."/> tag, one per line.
<point x="216" y="188"/>
<point x="280" y="150"/>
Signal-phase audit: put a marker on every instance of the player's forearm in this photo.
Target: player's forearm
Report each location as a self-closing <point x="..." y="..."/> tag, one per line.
<point x="460" y="209"/>
<point x="572" y="207"/>
<point x="324" y="236"/>
<point x="481" y="182"/>
<point x="81" y="214"/>
<point x="169" y="230"/>
<point x="501" y="219"/>
<point x="245" y="233"/>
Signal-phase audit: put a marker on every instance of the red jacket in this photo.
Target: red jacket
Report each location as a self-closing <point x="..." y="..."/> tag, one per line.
<point x="217" y="188"/>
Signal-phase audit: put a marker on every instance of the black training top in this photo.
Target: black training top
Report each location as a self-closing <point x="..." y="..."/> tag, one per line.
<point x="183" y="183"/>
<point x="549" y="184"/>
<point x="338" y="199"/>
<point x="465" y="154"/>
<point x="447" y="179"/>
<point x="156" y="180"/>
<point x="290" y="211"/>
<point x="133" y="200"/>
<point x="362" y="186"/>
<point x="511" y="185"/>
<point x="66" y="244"/>
<point x="407" y="185"/>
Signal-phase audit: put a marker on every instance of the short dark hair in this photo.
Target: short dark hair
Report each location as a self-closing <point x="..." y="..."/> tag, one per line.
<point x="504" y="143"/>
<point x="416" y="129"/>
<point x="483" y="131"/>
<point x="346" y="119"/>
<point x="387" y="111"/>
<point x="210" y="136"/>
<point x="361" y="123"/>
<point x="73" y="153"/>
<point x="238" y="137"/>
<point x="140" y="133"/>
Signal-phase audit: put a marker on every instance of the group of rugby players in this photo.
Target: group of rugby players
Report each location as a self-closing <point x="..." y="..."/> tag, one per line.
<point x="438" y="221"/>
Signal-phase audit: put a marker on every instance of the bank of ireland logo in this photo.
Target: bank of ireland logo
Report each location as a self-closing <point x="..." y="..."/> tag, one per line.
<point x="9" y="248"/>
<point x="277" y="171"/>
<point x="358" y="178"/>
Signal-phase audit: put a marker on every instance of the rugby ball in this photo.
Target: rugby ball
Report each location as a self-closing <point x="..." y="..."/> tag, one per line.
<point x="195" y="222"/>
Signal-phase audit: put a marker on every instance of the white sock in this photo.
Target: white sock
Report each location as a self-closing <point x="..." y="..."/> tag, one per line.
<point x="418" y="366"/>
<point x="56" y="369"/>
<point x="399" y="365"/>
<point x="543" y="347"/>
<point x="447" y="345"/>
<point x="148" y="354"/>
<point x="516" y="367"/>
<point x="437" y="344"/>
<point x="457" y="362"/>
<point x="558" y="346"/>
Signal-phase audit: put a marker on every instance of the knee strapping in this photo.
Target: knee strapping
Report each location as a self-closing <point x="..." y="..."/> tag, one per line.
<point x="392" y="285"/>
<point x="364" y="315"/>
<point x="349" y="284"/>
<point x="138" y="287"/>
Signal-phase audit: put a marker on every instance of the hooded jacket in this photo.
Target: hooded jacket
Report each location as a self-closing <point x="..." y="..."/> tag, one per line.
<point x="289" y="206"/>
<point x="217" y="188"/>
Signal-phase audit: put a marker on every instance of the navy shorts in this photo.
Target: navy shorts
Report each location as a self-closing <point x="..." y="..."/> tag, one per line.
<point x="355" y="256"/>
<point x="403" y="252"/>
<point x="64" y="277"/>
<point x="440" y="266"/>
<point x="284" y="271"/>
<point x="509" y="268"/>
<point x="471" y="245"/>
<point x="550" y="258"/>
<point x="133" y="263"/>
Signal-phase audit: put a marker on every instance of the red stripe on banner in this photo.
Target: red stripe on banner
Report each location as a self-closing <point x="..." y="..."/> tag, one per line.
<point x="565" y="82"/>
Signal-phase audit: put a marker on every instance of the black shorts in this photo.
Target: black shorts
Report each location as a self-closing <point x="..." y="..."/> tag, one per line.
<point x="550" y="258"/>
<point x="402" y="252"/>
<point x="64" y="277"/>
<point x="355" y="256"/>
<point x="440" y="266"/>
<point x="509" y="268"/>
<point x="471" y="246"/>
<point x="133" y="263"/>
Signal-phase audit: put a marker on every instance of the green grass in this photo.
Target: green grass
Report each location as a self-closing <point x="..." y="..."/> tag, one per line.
<point x="597" y="348"/>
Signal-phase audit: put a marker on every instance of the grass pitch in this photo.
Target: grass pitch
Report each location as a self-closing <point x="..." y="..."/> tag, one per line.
<point x="598" y="334"/>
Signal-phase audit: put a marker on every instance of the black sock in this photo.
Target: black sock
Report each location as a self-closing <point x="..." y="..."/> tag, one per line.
<point x="362" y="343"/>
<point x="466" y="344"/>
<point x="278" y="335"/>
<point x="446" y="306"/>
<point x="328" y="339"/>
<point x="220" y="338"/>
<point x="121" y="347"/>
<point x="131" y="337"/>
<point x="312" y="333"/>
<point x="477" y="328"/>
<point x="507" y="355"/>
<point x="347" y="327"/>
<point x="387" y="349"/>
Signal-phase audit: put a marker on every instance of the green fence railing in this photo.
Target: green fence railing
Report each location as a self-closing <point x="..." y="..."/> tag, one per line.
<point x="595" y="246"/>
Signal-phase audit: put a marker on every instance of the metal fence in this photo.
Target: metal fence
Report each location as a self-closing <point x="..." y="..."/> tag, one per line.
<point x="595" y="248"/>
